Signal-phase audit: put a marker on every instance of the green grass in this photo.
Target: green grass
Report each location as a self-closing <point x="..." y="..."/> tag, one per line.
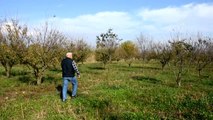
<point x="142" y="91"/>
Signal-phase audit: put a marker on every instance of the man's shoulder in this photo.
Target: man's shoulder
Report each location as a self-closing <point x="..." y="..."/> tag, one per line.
<point x="67" y="60"/>
<point x="63" y="59"/>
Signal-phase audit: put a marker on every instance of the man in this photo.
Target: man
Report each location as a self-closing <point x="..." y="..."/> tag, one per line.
<point x="69" y="69"/>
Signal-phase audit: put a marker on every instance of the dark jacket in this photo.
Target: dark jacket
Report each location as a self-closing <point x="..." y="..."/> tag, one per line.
<point x="69" y="68"/>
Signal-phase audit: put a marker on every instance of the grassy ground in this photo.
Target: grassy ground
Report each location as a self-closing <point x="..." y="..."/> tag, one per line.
<point x="142" y="91"/>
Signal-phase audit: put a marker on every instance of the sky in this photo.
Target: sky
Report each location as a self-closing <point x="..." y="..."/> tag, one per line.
<point x="129" y="19"/>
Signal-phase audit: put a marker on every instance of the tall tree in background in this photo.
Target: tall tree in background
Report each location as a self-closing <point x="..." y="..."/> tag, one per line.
<point x="106" y="45"/>
<point x="82" y="51"/>
<point x="164" y="54"/>
<point x="12" y="44"/>
<point x="43" y="50"/>
<point x="144" y="45"/>
<point x="128" y="51"/>
<point x="181" y="52"/>
<point x="203" y="53"/>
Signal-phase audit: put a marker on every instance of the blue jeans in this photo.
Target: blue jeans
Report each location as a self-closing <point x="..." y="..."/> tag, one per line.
<point x="66" y="81"/>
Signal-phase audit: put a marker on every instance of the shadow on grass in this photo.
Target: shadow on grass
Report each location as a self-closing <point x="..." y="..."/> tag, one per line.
<point x="59" y="88"/>
<point x="146" y="67"/>
<point x="31" y="79"/>
<point x="97" y="68"/>
<point x="15" y="73"/>
<point x="132" y="68"/>
<point x="146" y="79"/>
<point x="93" y="70"/>
<point x="208" y="82"/>
<point x="27" y="79"/>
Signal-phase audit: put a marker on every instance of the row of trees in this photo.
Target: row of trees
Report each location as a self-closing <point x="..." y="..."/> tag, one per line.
<point x="180" y="53"/>
<point x="43" y="48"/>
<point x="39" y="49"/>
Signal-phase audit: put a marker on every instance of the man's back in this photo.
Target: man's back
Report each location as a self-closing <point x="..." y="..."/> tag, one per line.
<point x="67" y="68"/>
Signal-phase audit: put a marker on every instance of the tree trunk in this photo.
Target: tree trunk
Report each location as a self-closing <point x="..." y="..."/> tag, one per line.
<point x="178" y="79"/>
<point x="162" y="66"/>
<point x="38" y="76"/>
<point x="199" y="73"/>
<point x="39" y="80"/>
<point x="179" y="82"/>
<point x="7" y="70"/>
<point x="104" y="65"/>
<point x="110" y="59"/>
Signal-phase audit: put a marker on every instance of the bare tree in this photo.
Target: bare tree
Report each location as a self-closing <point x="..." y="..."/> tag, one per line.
<point x="181" y="52"/>
<point x="203" y="53"/>
<point x="43" y="50"/>
<point x="163" y="54"/>
<point x="144" y="44"/>
<point x="12" y="44"/>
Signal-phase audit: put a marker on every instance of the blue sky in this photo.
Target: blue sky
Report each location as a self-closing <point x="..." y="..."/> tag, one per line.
<point x="128" y="18"/>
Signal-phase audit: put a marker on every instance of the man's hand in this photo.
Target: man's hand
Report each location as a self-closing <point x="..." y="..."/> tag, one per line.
<point x="79" y="76"/>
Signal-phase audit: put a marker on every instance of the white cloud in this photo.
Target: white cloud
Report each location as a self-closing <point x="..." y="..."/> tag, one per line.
<point x="89" y="26"/>
<point x="190" y="17"/>
<point x="163" y="16"/>
<point x="155" y="22"/>
<point x="98" y="22"/>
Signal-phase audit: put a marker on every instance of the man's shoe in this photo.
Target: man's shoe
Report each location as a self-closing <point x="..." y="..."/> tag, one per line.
<point x="63" y="100"/>
<point x="73" y="97"/>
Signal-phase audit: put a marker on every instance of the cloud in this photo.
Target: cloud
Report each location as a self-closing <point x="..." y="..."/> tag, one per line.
<point x="98" y="22"/>
<point x="190" y="18"/>
<point x="89" y="26"/>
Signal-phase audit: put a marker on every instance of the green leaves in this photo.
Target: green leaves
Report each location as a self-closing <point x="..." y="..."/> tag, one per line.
<point x="12" y="44"/>
<point x="44" y="50"/>
<point x="106" y="45"/>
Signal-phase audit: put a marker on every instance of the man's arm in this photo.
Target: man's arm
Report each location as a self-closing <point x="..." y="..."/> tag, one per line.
<point x="75" y="68"/>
